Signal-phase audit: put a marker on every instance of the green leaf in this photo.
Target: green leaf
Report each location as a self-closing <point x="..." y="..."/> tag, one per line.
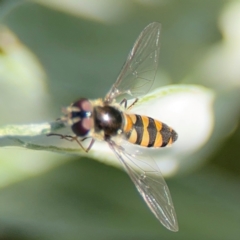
<point x="173" y="105"/>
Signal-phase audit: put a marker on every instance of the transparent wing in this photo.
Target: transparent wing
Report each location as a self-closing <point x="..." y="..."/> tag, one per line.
<point x="150" y="184"/>
<point x="138" y="72"/>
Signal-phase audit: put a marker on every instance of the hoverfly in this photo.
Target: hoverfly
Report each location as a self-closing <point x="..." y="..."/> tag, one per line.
<point x="107" y="120"/>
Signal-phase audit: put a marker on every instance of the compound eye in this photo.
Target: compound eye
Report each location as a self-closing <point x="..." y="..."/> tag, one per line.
<point x="82" y="127"/>
<point x="83" y="104"/>
<point x="85" y="123"/>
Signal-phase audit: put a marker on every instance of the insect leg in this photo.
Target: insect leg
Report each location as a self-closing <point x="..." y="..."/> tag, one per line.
<point x="74" y="138"/>
<point x="66" y="137"/>
<point x="135" y="101"/>
<point x="124" y="101"/>
<point x="90" y="145"/>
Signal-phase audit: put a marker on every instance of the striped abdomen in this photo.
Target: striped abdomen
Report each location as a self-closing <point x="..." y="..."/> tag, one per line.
<point x="148" y="132"/>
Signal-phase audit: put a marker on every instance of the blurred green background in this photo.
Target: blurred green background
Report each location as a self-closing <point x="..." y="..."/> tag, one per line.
<point x="81" y="50"/>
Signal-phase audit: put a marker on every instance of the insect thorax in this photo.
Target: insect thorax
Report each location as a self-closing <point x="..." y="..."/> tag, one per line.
<point x="108" y="120"/>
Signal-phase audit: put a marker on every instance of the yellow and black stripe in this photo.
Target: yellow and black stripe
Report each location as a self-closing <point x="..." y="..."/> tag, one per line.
<point x="148" y="132"/>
